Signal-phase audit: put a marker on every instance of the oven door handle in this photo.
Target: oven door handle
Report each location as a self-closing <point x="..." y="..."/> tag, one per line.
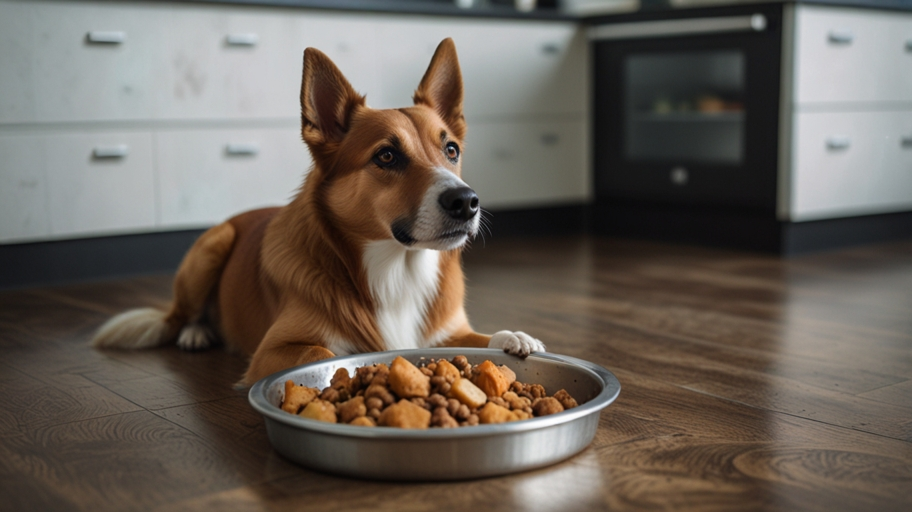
<point x="671" y="28"/>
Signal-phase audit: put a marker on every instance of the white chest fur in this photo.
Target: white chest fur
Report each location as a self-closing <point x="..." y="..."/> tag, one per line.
<point x="403" y="282"/>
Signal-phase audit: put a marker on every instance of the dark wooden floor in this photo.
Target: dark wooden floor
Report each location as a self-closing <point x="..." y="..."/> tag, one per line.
<point x="749" y="383"/>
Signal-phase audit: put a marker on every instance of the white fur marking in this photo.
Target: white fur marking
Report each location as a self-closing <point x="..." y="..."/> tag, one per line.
<point x="402" y="282"/>
<point x="516" y="343"/>
<point x="195" y="337"/>
<point x="432" y="221"/>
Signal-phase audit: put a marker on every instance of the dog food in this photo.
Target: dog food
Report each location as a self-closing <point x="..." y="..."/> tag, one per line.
<point x="434" y="394"/>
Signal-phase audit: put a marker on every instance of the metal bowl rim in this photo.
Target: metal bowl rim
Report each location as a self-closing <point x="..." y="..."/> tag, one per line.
<point x="609" y="392"/>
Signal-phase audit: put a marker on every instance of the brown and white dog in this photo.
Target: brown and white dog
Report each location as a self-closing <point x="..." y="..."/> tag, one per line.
<point x="366" y="257"/>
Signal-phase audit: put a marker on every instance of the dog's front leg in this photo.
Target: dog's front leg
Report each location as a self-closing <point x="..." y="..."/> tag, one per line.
<point x="283" y="346"/>
<point x="517" y="343"/>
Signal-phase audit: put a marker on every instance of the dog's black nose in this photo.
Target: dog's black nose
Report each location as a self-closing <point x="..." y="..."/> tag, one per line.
<point x="461" y="203"/>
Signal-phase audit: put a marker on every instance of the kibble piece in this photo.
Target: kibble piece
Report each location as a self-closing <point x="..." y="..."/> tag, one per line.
<point x="405" y="414"/>
<point x="297" y="397"/>
<point x="546" y="406"/>
<point x="493" y="413"/>
<point x="441" y="418"/>
<point x="490" y="379"/>
<point x="468" y="393"/>
<point x="446" y="370"/>
<point x="352" y="409"/>
<point x="340" y="380"/>
<point x="320" y="410"/>
<point x="407" y="381"/>
<point x="363" y="421"/>
<point x="508" y="374"/>
<point x="380" y="392"/>
<point x="373" y="402"/>
<point x="460" y="362"/>
<point x="565" y="399"/>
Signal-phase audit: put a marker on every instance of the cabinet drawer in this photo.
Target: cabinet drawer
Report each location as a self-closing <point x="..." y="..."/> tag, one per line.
<point x="507" y="68"/>
<point x="23" y="189"/>
<point x="207" y="176"/>
<point x="93" y="61"/>
<point x="92" y="190"/>
<point x="513" y="164"/>
<point x="851" y="164"/>
<point x="845" y="55"/>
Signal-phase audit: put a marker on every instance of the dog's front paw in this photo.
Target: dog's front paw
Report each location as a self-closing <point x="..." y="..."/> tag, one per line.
<point x="516" y="343"/>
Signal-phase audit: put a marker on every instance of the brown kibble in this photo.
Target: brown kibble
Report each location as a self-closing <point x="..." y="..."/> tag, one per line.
<point x="374" y="413"/>
<point x="420" y="402"/>
<point x="407" y="381"/>
<point x="405" y="414"/>
<point x="341" y="380"/>
<point x="565" y="399"/>
<point x="441" y="418"/>
<point x="537" y="391"/>
<point x="493" y="413"/>
<point x="517" y="387"/>
<point x="490" y="379"/>
<point x="499" y="401"/>
<point x="380" y="392"/>
<point x="426" y="371"/>
<point x="297" y="397"/>
<point x="432" y="366"/>
<point x="363" y="421"/>
<point x="437" y="400"/>
<point x="516" y="402"/>
<point x="546" y="406"/>
<point x="453" y="406"/>
<point x="373" y="402"/>
<point x="331" y="395"/>
<point x="320" y="410"/>
<point x="460" y="362"/>
<point x="463" y="412"/>
<point x="473" y="420"/>
<point x="522" y="415"/>
<point x="351" y="409"/>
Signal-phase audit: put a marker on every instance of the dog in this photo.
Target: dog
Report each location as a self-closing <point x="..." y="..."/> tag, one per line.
<point x="366" y="257"/>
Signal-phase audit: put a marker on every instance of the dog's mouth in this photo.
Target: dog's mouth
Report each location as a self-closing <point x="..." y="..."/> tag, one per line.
<point x="449" y="235"/>
<point x="449" y="239"/>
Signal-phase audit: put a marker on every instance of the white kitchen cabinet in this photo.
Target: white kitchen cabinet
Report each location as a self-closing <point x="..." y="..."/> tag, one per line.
<point x="508" y="68"/>
<point x="522" y="164"/>
<point x="852" y="55"/>
<point x="17" y="98"/>
<point x="94" y="61"/>
<point x="92" y="190"/>
<point x="23" y="189"/>
<point x="207" y="176"/>
<point x="852" y="163"/>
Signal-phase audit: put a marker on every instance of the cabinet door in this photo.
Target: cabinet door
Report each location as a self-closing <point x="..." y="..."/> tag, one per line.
<point x="514" y="164"/>
<point x="851" y="164"/>
<point x="81" y="71"/>
<point x="92" y="190"/>
<point x="508" y="68"/>
<point x="17" y="99"/>
<point x="207" y="176"/>
<point x="23" y="189"/>
<point x="852" y="55"/>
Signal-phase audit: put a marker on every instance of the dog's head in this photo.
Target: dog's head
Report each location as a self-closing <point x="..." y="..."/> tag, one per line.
<point x="390" y="174"/>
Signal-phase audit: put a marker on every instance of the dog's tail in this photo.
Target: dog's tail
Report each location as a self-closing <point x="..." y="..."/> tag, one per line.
<point x="134" y="329"/>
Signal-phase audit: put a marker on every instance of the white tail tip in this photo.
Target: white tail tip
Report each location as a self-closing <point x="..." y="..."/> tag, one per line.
<point x="134" y="329"/>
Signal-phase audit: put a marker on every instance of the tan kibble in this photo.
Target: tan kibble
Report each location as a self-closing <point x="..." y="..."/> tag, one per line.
<point x="407" y="381"/>
<point x="380" y="392"/>
<point x="297" y="397"/>
<point x="405" y="414"/>
<point x="468" y="393"/>
<point x="373" y="402"/>
<point x="446" y="370"/>
<point x="441" y="418"/>
<point x="493" y="413"/>
<point x="351" y="409"/>
<point x="320" y="410"/>
<point x="363" y="421"/>
<point x="508" y="374"/>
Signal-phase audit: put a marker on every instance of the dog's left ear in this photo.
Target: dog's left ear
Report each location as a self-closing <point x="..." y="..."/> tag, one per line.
<point x="441" y="87"/>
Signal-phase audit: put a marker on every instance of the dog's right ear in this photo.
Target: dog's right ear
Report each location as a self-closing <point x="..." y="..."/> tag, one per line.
<point x="327" y="103"/>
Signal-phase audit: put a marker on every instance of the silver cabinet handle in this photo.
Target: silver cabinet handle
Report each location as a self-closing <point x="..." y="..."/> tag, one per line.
<point x="249" y="39"/>
<point x="244" y="149"/>
<point x="905" y="142"/>
<point x="115" y="151"/>
<point x="550" y="139"/>
<point x="840" y="36"/>
<point x="106" y="37"/>
<point x="909" y="45"/>
<point x="838" y="142"/>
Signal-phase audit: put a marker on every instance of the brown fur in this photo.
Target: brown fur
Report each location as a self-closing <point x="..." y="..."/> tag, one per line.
<point x="278" y="284"/>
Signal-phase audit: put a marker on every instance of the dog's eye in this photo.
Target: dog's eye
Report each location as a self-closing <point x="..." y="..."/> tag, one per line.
<point x="452" y="151"/>
<point x="386" y="157"/>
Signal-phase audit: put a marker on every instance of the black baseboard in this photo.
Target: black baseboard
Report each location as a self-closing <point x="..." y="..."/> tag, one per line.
<point x="87" y="259"/>
<point x="570" y="219"/>
<point x="745" y="229"/>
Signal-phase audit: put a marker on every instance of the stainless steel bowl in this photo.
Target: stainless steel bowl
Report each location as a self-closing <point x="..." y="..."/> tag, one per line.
<point x="439" y="454"/>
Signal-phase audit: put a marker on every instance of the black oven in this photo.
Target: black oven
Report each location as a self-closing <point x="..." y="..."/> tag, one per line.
<point x="686" y="119"/>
